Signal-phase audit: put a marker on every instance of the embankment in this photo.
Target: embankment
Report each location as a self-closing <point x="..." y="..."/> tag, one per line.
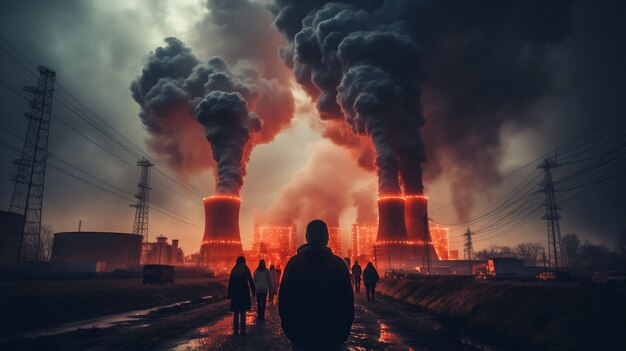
<point x="27" y="306"/>
<point x="522" y="316"/>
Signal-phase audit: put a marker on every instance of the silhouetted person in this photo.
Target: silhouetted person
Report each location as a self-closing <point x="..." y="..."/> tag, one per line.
<point x="279" y="273"/>
<point x="263" y="283"/>
<point x="315" y="300"/>
<point x="240" y="285"/>
<point x="273" y="285"/>
<point x="370" y="278"/>
<point x="347" y="261"/>
<point x="356" y="276"/>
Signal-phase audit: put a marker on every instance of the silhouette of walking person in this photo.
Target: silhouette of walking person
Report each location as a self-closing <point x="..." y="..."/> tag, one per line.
<point x="263" y="283"/>
<point x="370" y="278"/>
<point x="356" y="276"/>
<point x="315" y="300"/>
<point x="240" y="285"/>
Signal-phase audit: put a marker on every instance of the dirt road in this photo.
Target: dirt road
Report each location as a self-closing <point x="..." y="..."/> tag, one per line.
<point x="206" y="325"/>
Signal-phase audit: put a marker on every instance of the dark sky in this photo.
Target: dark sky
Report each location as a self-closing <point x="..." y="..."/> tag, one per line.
<point x="98" y="48"/>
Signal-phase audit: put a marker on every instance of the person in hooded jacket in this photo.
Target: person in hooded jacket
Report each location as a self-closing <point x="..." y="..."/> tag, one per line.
<point x="263" y="283"/>
<point x="240" y="285"/>
<point x="370" y="278"/>
<point x="315" y="300"/>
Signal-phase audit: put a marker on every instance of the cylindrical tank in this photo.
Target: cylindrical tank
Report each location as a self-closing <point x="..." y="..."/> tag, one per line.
<point x="11" y="227"/>
<point x="221" y="243"/>
<point x="416" y="217"/>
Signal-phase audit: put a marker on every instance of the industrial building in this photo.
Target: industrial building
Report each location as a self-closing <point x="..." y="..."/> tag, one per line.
<point x="276" y="244"/>
<point x="334" y="239"/>
<point x="11" y="226"/>
<point x="95" y="251"/>
<point x="161" y="252"/>
<point x="362" y="240"/>
<point x="440" y="236"/>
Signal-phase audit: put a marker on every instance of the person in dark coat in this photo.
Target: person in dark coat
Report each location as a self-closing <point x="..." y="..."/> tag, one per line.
<point x="356" y="276"/>
<point x="240" y="285"/>
<point x="370" y="278"/>
<point x="315" y="300"/>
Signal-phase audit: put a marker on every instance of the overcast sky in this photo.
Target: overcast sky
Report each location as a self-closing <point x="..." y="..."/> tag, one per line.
<point x="99" y="47"/>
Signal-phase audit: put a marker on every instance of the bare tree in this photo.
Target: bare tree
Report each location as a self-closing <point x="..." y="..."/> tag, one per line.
<point x="46" y="239"/>
<point x="529" y="252"/>
<point x="570" y="244"/>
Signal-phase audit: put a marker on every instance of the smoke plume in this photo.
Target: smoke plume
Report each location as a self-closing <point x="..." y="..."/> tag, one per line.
<point x="318" y="189"/>
<point x="475" y="67"/>
<point x="176" y="91"/>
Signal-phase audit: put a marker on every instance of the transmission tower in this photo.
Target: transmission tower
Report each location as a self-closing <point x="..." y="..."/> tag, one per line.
<point x="556" y="258"/>
<point x="142" y="207"/>
<point x="27" y="198"/>
<point x="468" y="251"/>
<point x="426" y="243"/>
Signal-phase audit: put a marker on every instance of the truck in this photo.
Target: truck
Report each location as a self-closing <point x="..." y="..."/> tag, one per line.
<point x="158" y="274"/>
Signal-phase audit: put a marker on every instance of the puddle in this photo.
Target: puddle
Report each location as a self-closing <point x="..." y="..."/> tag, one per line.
<point x="111" y="320"/>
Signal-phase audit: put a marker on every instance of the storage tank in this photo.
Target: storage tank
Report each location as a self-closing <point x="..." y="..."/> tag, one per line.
<point x="116" y="250"/>
<point x="11" y="226"/>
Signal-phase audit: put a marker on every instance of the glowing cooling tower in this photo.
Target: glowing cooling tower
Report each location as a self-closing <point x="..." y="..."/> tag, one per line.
<point x="392" y="237"/>
<point x="221" y="243"/>
<point x="416" y="218"/>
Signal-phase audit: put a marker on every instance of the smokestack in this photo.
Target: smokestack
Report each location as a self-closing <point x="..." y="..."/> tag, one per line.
<point x="221" y="243"/>
<point x="416" y="217"/>
<point x="392" y="237"/>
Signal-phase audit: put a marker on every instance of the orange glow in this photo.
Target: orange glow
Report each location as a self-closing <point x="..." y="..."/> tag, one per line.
<point x="229" y="197"/>
<point x="231" y="242"/>
<point x="390" y="197"/>
<point x="416" y="197"/>
<point x="402" y="242"/>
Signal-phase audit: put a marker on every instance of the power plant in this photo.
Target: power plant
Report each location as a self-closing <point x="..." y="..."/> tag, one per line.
<point x="416" y="218"/>
<point x="221" y="243"/>
<point x="403" y="238"/>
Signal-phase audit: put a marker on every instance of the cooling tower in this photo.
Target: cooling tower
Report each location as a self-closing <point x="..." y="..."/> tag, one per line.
<point x="416" y="217"/>
<point x="392" y="241"/>
<point x="221" y="243"/>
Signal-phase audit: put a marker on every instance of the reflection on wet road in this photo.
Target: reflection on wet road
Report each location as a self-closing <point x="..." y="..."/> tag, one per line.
<point x="369" y="332"/>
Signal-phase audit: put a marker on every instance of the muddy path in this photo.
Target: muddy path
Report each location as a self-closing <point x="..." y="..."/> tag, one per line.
<point x="206" y="324"/>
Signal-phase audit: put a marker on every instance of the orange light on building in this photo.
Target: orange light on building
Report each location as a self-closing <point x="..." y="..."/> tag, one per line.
<point x="274" y="243"/>
<point x="334" y="240"/>
<point x="216" y="197"/>
<point x="440" y="239"/>
<point x="390" y="197"/>
<point x="363" y="239"/>
<point x="232" y="242"/>
<point x="416" y="197"/>
<point x="401" y="242"/>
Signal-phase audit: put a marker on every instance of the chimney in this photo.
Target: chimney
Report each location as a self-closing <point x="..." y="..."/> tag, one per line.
<point x="417" y="227"/>
<point x="175" y="244"/>
<point x="221" y="243"/>
<point x="392" y="240"/>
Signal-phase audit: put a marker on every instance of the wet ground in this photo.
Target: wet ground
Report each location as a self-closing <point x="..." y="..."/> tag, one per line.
<point x="207" y="325"/>
<point x="380" y="325"/>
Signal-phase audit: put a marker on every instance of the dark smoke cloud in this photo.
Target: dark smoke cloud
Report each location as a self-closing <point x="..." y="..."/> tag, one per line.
<point x="175" y="89"/>
<point x="228" y="124"/>
<point x="482" y="66"/>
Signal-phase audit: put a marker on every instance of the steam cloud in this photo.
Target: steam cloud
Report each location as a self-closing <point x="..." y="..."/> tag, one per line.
<point x="175" y="88"/>
<point x="476" y="66"/>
